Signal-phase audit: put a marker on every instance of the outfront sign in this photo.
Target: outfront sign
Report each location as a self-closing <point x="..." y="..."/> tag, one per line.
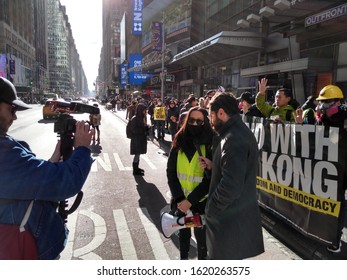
<point x="326" y="15"/>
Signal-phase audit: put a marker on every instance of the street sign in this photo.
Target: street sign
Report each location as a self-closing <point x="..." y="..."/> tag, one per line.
<point x="169" y="78"/>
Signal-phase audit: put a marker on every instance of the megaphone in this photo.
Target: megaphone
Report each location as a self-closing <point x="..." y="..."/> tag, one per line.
<point x="170" y="224"/>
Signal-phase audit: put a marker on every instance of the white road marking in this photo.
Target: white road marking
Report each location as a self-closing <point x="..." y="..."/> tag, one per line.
<point x="119" y="163"/>
<point x="153" y="235"/>
<point x="68" y="251"/>
<point x="151" y="165"/>
<point x="105" y="163"/>
<point x="125" y="240"/>
<point x="100" y="232"/>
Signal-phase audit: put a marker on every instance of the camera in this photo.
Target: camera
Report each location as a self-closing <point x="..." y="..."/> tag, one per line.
<point x="65" y="123"/>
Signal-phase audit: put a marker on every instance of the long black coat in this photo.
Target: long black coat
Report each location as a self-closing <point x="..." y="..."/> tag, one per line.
<point x="138" y="142"/>
<point x="233" y="225"/>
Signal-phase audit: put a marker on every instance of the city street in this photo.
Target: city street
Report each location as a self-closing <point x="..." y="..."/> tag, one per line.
<point x="119" y="217"/>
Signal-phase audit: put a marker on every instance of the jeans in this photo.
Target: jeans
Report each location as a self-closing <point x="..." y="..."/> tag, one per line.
<point x="160" y="129"/>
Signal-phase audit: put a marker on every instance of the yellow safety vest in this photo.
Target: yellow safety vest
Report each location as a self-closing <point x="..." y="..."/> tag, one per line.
<point x="190" y="174"/>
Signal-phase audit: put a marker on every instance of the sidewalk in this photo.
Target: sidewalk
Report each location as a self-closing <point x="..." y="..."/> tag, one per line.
<point x="278" y="236"/>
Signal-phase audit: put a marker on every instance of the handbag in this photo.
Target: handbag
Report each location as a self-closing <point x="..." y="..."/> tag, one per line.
<point x="17" y="243"/>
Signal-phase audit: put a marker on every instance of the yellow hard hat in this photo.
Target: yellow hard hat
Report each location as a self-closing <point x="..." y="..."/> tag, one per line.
<point x="330" y="92"/>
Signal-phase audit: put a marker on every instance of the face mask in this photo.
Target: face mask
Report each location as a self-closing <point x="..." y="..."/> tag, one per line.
<point x="194" y="130"/>
<point x="332" y="110"/>
<point x="328" y="109"/>
<point x="159" y="103"/>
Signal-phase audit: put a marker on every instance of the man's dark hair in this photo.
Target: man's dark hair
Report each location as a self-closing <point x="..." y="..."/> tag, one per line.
<point x="287" y="92"/>
<point x="225" y="101"/>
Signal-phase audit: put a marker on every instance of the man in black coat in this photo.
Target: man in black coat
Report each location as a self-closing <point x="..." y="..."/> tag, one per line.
<point x="233" y="224"/>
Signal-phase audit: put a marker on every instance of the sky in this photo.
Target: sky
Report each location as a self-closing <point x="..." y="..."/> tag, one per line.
<point x="85" y="18"/>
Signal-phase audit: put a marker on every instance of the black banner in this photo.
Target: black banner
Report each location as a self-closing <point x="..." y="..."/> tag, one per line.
<point x="302" y="174"/>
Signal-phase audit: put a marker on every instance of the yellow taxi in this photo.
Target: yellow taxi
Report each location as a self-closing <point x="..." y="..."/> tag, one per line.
<point x="48" y="111"/>
<point x="52" y="108"/>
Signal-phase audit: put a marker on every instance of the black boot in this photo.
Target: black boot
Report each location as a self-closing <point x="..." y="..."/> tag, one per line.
<point x="136" y="170"/>
<point x="141" y="170"/>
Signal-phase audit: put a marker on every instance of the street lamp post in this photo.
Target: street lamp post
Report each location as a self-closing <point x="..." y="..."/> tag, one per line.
<point x="162" y="59"/>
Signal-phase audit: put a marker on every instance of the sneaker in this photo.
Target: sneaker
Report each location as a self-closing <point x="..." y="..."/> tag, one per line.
<point x="335" y="249"/>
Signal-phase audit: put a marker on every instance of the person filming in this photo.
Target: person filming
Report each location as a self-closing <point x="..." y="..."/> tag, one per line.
<point x="27" y="180"/>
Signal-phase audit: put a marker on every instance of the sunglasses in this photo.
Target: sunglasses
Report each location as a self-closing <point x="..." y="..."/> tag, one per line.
<point x="197" y="121"/>
<point x="14" y="110"/>
<point x="13" y="107"/>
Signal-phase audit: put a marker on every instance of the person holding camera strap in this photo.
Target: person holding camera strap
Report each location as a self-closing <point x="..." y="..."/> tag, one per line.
<point x="26" y="179"/>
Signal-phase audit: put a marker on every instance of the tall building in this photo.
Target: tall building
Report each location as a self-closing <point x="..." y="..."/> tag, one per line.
<point x="66" y="75"/>
<point x="40" y="67"/>
<point x="297" y="44"/>
<point x="17" y="50"/>
<point x="168" y="28"/>
<point x="109" y="69"/>
<point x="58" y="48"/>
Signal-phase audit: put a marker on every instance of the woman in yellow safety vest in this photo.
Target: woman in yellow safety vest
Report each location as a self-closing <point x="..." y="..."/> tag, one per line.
<point x="188" y="182"/>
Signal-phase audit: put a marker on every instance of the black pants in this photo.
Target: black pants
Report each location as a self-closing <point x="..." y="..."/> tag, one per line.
<point x="184" y="237"/>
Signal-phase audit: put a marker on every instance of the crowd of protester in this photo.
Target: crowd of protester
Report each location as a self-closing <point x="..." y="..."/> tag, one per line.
<point x="328" y="108"/>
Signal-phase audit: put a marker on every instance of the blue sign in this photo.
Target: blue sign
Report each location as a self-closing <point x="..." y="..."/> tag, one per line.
<point x="137" y="17"/>
<point x="136" y="77"/>
<point x="123" y="74"/>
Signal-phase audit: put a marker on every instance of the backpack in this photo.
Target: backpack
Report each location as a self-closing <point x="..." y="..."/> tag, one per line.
<point x="128" y="130"/>
<point x="17" y="243"/>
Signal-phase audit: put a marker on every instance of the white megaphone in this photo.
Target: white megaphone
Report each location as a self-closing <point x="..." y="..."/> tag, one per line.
<point x="170" y="224"/>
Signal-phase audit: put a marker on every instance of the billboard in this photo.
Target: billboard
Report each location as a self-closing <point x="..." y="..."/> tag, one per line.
<point x="137" y="17"/>
<point x="157" y="36"/>
<point x="3" y="65"/>
<point x="136" y="77"/>
<point x="123" y="74"/>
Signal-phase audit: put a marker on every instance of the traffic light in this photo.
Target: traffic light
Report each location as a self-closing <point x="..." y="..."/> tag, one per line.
<point x="30" y="83"/>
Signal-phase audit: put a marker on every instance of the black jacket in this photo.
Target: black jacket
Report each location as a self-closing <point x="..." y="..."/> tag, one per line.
<point x="233" y="224"/>
<point x="138" y="142"/>
<point x="254" y="111"/>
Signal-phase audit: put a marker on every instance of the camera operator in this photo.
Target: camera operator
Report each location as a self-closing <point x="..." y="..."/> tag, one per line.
<point x="25" y="178"/>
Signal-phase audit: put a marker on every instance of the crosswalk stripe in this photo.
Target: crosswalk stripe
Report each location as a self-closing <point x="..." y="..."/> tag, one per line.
<point x="125" y="240"/>
<point x="153" y="235"/>
<point x="119" y="163"/>
<point x="146" y="159"/>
